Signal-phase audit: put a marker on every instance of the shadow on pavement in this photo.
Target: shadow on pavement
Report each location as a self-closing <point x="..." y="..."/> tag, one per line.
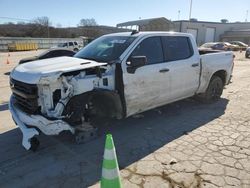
<point x="4" y="106"/>
<point x="59" y="162"/>
<point x="7" y="73"/>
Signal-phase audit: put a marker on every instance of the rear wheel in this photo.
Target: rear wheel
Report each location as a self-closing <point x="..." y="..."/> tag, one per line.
<point x="214" y="90"/>
<point x="76" y="50"/>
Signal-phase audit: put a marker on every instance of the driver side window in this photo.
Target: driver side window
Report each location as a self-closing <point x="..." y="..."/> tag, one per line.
<point x="151" y="48"/>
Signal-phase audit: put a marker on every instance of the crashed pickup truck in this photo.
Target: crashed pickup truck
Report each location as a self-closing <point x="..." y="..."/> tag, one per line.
<point x="115" y="76"/>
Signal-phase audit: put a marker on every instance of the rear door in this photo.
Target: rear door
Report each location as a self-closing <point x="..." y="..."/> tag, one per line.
<point x="183" y="64"/>
<point x="149" y="86"/>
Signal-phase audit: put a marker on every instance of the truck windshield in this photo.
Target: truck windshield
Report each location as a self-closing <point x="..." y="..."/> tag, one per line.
<point x="106" y="48"/>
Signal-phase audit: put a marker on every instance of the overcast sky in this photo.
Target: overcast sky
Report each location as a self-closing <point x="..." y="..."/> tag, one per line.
<point x="111" y="12"/>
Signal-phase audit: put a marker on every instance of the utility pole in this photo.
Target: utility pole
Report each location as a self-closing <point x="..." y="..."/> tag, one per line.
<point x="246" y="16"/>
<point x="48" y="29"/>
<point x="179" y="12"/>
<point x="190" y="10"/>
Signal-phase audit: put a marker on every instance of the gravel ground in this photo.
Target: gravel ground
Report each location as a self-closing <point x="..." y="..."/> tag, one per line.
<point x="184" y="144"/>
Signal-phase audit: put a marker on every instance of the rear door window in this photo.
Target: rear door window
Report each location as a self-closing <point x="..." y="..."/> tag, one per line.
<point x="70" y="43"/>
<point x="151" y="48"/>
<point x="177" y="48"/>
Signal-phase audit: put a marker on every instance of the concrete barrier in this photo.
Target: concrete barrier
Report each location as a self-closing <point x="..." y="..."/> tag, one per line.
<point x="22" y="46"/>
<point x="42" y="43"/>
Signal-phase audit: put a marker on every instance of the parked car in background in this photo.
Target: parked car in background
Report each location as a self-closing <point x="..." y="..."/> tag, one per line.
<point x="49" y="54"/>
<point x="247" y="54"/>
<point x="225" y="46"/>
<point x="208" y="45"/>
<point x="72" y="45"/>
<point x="231" y="47"/>
<point x="242" y="45"/>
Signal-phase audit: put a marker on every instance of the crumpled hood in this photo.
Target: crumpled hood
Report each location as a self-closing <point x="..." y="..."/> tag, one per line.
<point x="32" y="72"/>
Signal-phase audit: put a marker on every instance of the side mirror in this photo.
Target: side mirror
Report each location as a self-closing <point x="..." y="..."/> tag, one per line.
<point x="135" y="62"/>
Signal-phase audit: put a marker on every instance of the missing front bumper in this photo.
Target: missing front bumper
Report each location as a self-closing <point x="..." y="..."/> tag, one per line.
<point x="48" y="127"/>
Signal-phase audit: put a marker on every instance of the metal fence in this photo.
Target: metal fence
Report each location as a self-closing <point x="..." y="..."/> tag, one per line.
<point x="43" y="43"/>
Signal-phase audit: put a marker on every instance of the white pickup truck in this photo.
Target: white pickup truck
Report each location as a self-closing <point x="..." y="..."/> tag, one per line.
<point x="116" y="75"/>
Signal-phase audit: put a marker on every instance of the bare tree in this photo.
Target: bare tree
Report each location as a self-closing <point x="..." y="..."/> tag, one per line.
<point x="44" y="21"/>
<point x="88" y="22"/>
<point x="42" y="26"/>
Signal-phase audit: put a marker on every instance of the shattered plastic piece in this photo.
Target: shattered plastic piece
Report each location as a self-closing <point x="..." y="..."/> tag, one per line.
<point x="173" y="161"/>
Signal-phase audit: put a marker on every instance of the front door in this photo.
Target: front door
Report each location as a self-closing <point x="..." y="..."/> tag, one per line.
<point x="149" y="86"/>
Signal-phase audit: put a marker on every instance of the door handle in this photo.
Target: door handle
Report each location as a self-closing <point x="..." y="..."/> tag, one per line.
<point x="195" y="65"/>
<point x="163" y="70"/>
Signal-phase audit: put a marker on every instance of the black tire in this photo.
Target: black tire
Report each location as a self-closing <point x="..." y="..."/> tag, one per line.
<point x="246" y="55"/>
<point x="76" y="50"/>
<point x="213" y="92"/>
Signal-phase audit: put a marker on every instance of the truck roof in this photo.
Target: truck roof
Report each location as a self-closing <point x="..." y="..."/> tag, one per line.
<point x="145" y="33"/>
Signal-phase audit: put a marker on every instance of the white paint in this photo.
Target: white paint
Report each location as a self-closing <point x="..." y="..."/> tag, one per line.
<point x="212" y="63"/>
<point x="66" y="93"/>
<point x="109" y="154"/>
<point x="48" y="127"/>
<point x="147" y="88"/>
<point x="36" y="69"/>
<point x="110" y="174"/>
<point x="184" y="77"/>
<point x="28" y="133"/>
<point x="210" y="32"/>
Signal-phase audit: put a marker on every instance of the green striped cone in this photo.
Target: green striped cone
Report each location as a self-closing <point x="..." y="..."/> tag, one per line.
<point x="110" y="169"/>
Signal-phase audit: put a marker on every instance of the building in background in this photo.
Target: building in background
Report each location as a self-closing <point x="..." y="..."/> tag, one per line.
<point x="153" y="24"/>
<point x="201" y="30"/>
<point x="214" y="31"/>
<point x="237" y="35"/>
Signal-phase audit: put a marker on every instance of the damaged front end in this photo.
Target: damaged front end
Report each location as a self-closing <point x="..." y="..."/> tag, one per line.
<point x="64" y="101"/>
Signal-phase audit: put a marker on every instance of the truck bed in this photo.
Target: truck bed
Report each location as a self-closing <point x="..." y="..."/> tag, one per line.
<point x="213" y="62"/>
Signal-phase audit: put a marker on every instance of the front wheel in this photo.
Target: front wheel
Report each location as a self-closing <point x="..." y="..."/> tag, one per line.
<point x="214" y="90"/>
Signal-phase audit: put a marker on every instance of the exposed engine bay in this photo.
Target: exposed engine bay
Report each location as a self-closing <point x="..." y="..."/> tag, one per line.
<point x="75" y="96"/>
